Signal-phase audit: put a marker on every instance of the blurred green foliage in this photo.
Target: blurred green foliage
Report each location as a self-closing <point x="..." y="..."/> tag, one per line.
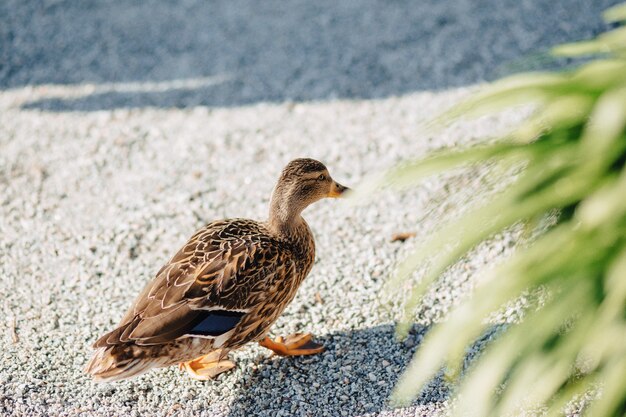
<point x="573" y="150"/>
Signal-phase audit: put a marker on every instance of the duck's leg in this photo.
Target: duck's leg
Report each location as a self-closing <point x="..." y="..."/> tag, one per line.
<point x="208" y="366"/>
<point x="293" y="345"/>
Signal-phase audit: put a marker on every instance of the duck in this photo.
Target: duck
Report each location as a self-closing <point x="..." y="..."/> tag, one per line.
<point x="223" y="289"/>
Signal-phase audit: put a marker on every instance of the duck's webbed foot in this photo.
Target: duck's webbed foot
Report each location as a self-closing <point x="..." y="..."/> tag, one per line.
<point x="208" y="366"/>
<point x="297" y="344"/>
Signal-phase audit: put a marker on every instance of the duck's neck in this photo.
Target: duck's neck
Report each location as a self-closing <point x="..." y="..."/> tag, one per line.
<point x="290" y="230"/>
<point x="285" y="215"/>
<point x="285" y="220"/>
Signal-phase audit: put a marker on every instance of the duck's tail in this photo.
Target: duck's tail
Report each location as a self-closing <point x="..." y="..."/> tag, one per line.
<point x="115" y="363"/>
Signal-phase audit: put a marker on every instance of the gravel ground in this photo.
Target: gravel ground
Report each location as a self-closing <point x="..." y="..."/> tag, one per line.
<point x="124" y="128"/>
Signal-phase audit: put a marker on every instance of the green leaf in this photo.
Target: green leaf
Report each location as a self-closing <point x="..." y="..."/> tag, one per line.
<point x="573" y="153"/>
<point x="615" y="13"/>
<point x="613" y="388"/>
<point x="582" y="48"/>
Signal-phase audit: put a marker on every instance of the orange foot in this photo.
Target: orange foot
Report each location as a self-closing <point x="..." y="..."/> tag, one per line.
<point x="293" y="345"/>
<point x="208" y="366"/>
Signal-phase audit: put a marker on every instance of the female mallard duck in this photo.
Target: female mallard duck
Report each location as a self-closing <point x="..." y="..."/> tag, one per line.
<point x="224" y="288"/>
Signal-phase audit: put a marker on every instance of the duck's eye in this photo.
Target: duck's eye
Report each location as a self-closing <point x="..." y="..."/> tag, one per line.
<point x="322" y="177"/>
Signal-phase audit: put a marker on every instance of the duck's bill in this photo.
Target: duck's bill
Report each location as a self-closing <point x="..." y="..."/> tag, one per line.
<point x="337" y="190"/>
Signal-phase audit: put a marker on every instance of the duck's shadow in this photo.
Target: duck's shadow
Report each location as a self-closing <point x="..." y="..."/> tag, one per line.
<point x="355" y="375"/>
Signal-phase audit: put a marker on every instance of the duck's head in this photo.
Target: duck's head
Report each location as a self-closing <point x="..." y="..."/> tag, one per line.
<point x="302" y="182"/>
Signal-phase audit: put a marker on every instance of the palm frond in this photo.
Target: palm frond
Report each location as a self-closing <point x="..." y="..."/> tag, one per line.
<point x="573" y="153"/>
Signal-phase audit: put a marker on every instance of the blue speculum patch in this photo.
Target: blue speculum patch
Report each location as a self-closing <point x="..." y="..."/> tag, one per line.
<point x="216" y="322"/>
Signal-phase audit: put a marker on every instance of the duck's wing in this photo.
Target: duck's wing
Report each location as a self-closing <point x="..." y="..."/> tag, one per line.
<point x="219" y="275"/>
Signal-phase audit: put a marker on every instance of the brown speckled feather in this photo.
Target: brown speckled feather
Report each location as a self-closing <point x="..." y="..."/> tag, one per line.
<point x="228" y="265"/>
